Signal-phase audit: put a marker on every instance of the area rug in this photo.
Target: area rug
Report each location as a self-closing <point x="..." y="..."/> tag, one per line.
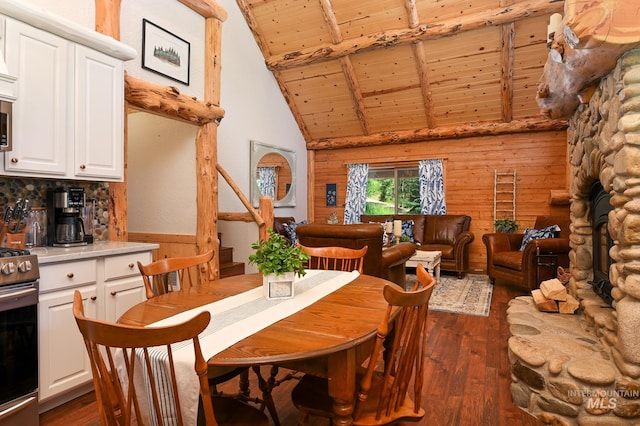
<point x="470" y="295"/>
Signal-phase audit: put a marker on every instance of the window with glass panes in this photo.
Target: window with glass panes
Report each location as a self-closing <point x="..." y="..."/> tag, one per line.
<point x="393" y="190"/>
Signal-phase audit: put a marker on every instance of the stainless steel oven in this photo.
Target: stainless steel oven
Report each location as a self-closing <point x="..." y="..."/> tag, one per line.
<point x="19" y="274"/>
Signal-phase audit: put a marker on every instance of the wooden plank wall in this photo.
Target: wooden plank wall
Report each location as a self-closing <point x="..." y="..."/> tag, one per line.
<point x="540" y="160"/>
<point x="171" y="245"/>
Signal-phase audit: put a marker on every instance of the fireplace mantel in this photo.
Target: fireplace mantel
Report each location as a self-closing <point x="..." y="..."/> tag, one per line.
<point x="594" y="35"/>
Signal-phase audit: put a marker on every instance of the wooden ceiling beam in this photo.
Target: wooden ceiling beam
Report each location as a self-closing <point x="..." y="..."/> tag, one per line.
<point x="356" y="93"/>
<point x="468" y="130"/>
<point x="445" y="28"/>
<point x="421" y="63"/>
<point x="264" y="48"/>
<point x="425" y="83"/>
<point x="506" y="72"/>
<point x="346" y="65"/>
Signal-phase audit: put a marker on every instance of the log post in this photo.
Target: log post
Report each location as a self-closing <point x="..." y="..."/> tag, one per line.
<point x="266" y="212"/>
<point x="207" y="153"/>
<point x="107" y="22"/>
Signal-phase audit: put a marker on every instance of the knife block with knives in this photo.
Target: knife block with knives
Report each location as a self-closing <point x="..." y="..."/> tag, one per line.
<point x="15" y="240"/>
<point x="12" y="234"/>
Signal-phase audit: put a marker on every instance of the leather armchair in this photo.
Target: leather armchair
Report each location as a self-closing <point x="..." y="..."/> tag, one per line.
<point x="388" y="263"/>
<point x="505" y="261"/>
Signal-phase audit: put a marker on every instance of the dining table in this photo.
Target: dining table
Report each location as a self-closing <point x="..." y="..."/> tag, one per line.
<point x="329" y="337"/>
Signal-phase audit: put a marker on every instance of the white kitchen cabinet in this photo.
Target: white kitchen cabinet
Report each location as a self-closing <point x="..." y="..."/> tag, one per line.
<point x="99" y="115"/>
<point x="68" y="119"/>
<point x="110" y="284"/>
<point x="40" y="61"/>
<point x="123" y="285"/>
<point x="63" y="360"/>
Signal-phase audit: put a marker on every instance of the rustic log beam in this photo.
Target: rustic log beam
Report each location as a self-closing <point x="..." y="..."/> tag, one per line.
<point x="331" y="21"/>
<point x="169" y="102"/>
<point x="266" y="212"/>
<point x="490" y="17"/>
<point x="421" y="63"/>
<point x="236" y="217"/>
<point x="559" y="197"/>
<point x="594" y="36"/>
<point x="468" y="130"/>
<point x="425" y="83"/>
<point x="356" y="93"/>
<point x="412" y="13"/>
<point x="207" y="155"/>
<point x="108" y="17"/>
<point x="346" y="65"/>
<point x="107" y="22"/>
<point x="264" y="47"/>
<point x="207" y="9"/>
<point x="506" y="75"/>
<point x="243" y="198"/>
<point x="206" y="202"/>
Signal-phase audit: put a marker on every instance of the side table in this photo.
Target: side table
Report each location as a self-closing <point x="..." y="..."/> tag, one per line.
<point x="545" y="260"/>
<point x="429" y="259"/>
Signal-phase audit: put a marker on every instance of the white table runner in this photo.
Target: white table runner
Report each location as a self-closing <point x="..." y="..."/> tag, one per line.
<point x="230" y="324"/>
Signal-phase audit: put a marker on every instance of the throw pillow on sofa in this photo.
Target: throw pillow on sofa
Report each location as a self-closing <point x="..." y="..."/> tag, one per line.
<point x="407" y="231"/>
<point x="290" y="229"/>
<point x="536" y="234"/>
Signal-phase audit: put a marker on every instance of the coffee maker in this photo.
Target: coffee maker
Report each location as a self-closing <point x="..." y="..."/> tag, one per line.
<point x="65" y="226"/>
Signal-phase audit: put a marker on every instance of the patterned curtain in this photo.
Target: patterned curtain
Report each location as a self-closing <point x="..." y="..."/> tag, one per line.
<point x="432" y="187"/>
<point x="267" y="181"/>
<point x="356" y="192"/>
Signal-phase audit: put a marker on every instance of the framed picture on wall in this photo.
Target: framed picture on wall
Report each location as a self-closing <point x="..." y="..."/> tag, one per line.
<point x="165" y="53"/>
<point x="331" y="195"/>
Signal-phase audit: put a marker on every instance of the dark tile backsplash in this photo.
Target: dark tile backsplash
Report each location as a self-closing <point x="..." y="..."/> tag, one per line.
<point x="36" y="191"/>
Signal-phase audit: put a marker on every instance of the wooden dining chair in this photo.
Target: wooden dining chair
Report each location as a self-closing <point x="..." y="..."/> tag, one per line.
<point x="166" y="275"/>
<point x="383" y="396"/>
<point x="119" y="403"/>
<point x="326" y="258"/>
<point x="335" y="258"/>
<point x="159" y="278"/>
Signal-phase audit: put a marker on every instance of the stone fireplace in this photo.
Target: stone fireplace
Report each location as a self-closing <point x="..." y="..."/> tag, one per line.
<point x="585" y="368"/>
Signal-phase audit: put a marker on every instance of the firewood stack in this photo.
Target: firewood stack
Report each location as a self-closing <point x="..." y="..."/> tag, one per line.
<point x="552" y="296"/>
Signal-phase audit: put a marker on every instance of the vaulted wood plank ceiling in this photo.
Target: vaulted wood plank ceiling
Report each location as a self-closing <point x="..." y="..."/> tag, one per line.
<point x="358" y="72"/>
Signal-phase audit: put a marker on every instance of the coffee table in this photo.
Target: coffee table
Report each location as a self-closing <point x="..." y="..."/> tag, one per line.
<point x="429" y="259"/>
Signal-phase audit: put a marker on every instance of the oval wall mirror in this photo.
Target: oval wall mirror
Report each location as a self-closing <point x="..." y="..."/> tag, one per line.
<point x="273" y="174"/>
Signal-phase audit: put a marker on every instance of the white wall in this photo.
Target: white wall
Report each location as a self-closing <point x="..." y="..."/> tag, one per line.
<point x="162" y="188"/>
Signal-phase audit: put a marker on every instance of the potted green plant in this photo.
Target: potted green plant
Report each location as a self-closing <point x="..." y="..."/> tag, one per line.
<point x="280" y="262"/>
<point x="505" y="225"/>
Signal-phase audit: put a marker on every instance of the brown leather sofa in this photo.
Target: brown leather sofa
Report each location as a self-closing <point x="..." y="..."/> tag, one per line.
<point x="506" y="262"/>
<point x="448" y="234"/>
<point x="388" y="263"/>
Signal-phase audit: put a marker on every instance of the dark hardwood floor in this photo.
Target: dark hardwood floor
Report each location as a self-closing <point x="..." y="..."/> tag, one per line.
<point x="466" y="382"/>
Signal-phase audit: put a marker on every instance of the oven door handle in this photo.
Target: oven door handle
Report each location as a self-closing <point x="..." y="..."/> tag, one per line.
<point x="11" y="411"/>
<point x="18" y="298"/>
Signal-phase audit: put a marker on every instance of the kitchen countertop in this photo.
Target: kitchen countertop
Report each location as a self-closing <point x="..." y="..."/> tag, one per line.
<point x="97" y="249"/>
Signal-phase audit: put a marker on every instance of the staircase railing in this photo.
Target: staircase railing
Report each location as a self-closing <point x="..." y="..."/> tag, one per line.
<point x="263" y="217"/>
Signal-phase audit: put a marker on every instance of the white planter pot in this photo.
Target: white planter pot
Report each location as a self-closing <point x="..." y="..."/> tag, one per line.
<point x="278" y="286"/>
